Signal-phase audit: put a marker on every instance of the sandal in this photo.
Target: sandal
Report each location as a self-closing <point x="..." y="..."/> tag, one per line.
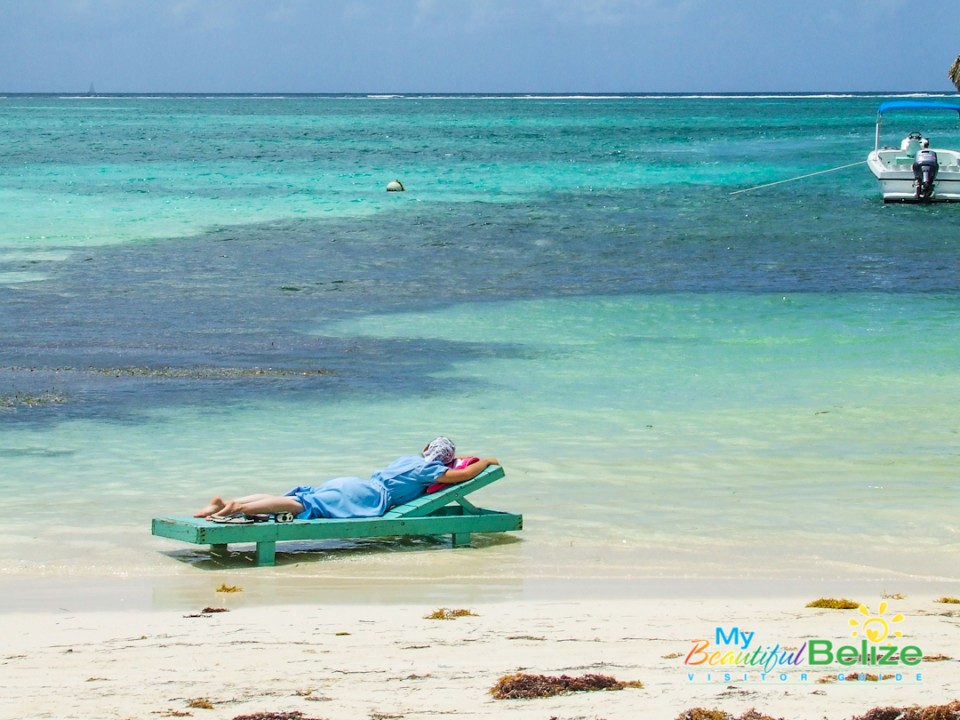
<point x="235" y="519"/>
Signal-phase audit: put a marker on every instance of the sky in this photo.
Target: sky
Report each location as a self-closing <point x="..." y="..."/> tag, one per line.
<point x="481" y="46"/>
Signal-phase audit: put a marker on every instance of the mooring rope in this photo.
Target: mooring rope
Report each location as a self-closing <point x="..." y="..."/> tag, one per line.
<point x="799" y="177"/>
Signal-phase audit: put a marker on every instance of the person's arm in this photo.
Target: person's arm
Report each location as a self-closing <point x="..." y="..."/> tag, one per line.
<point x="451" y="477"/>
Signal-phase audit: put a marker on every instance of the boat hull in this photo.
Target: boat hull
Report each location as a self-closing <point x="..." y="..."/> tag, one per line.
<point x="894" y="171"/>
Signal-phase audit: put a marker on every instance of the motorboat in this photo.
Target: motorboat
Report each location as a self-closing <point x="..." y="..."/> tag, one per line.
<point x="914" y="171"/>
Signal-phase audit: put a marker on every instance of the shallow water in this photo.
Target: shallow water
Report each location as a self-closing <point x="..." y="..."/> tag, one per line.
<point x="216" y="295"/>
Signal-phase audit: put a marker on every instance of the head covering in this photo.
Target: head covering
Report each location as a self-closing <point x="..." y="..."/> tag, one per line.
<point x="440" y="450"/>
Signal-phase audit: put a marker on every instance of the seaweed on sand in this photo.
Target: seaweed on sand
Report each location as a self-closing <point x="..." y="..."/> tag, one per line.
<point x="950" y="711"/>
<point x="447" y="614"/>
<point x="524" y="686"/>
<point x="834" y="604"/>
<point x="868" y="677"/>
<point x="207" y="612"/>
<point x="292" y="715"/>
<point x="704" y="714"/>
<point x="715" y="714"/>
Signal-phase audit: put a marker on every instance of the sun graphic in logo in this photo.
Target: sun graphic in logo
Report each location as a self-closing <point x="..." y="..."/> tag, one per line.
<point x="875" y="628"/>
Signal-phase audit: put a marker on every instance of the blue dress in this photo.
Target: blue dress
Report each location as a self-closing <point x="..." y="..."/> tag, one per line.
<point x="349" y="497"/>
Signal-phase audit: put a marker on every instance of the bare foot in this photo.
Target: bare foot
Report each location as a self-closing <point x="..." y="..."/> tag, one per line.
<point x="231" y="507"/>
<point x="216" y="505"/>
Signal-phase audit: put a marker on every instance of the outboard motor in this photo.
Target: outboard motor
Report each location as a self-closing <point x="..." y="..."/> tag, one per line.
<point x="925" y="168"/>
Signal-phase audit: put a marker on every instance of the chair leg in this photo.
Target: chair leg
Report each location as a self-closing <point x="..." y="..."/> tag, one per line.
<point x="461" y="539"/>
<point x="468" y="507"/>
<point x="267" y="552"/>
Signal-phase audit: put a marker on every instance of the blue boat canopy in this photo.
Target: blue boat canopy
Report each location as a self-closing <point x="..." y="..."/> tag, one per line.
<point x="916" y="105"/>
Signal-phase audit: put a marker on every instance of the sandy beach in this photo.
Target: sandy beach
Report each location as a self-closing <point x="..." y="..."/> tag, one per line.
<point x="393" y="661"/>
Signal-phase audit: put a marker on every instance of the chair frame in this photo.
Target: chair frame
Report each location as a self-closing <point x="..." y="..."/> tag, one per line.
<point x="446" y="512"/>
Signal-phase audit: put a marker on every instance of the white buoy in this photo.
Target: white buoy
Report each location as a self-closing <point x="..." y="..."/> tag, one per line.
<point x="395" y="186"/>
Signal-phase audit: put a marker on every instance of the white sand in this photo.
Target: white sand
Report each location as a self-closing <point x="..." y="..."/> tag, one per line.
<point x="389" y="661"/>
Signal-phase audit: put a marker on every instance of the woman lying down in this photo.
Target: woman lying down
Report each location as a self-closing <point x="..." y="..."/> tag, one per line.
<point x="400" y="482"/>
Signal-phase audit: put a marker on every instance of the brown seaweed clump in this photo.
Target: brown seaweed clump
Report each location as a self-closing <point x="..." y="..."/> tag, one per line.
<point x="448" y="614"/>
<point x="206" y="612"/>
<point x="948" y="600"/>
<point x="950" y="711"/>
<point x="704" y="714"/>
<point x="834" y="604"/>
<point x="292" y="715"/>
<point x="524" y="686"/>
<point x="854" y="676"/>
<point x="229" y="588"/>
<point x="715" y="714"/>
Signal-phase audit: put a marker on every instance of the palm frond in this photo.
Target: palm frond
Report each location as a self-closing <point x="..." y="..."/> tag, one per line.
<point x="954" y="73"/>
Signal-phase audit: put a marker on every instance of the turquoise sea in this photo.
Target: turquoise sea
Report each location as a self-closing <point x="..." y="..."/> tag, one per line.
<point x="217" y="294"/>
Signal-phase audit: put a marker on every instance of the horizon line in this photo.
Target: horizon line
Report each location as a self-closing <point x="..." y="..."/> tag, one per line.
<point x="491" y="93"/>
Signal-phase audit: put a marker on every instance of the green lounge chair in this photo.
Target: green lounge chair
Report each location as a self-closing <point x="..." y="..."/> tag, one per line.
<point x="444" y="512"/>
